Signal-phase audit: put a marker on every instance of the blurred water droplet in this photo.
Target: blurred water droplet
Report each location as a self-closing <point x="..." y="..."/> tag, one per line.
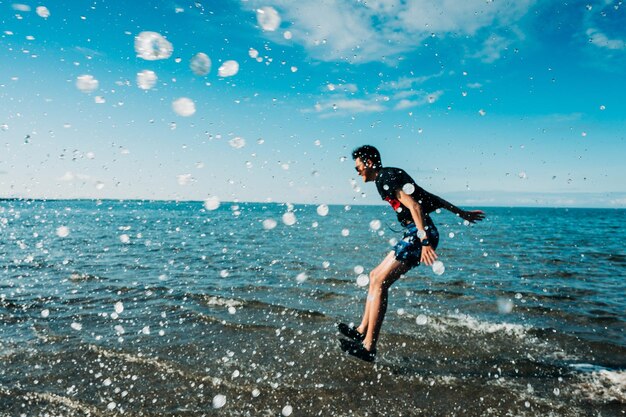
<point x="237" y="142"/>
<point x="86" y="83"/>
<point x="408" y="188"/>
<point x="362" y="280"/>
<point x="200" y="64"/>
<point x="152" y="46"/>
<point x="421" y="320"/>
<point x="439" y="268"/>
<point x="62" y="231"/>
<point x="228" y="69"/>
<point x="375" y="225"/>
<point x="289" y="218"/>
<point x="42" y="11"/>
<point x="322" y="210"/>
<point x="212" y="203"/>
<point x="184" y="107"/>
<point x="268" y="18"/>
<point x="219" y="401"/>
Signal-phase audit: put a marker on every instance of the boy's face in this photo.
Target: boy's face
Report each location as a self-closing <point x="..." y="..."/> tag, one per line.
<point x="365" y="169"/>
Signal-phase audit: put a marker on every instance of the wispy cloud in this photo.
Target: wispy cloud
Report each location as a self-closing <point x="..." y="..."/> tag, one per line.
<point x="345" y="106"/>
<point x="421" y="99"/>
<point x="601" y="40"/>
<point x="381" y="30"/>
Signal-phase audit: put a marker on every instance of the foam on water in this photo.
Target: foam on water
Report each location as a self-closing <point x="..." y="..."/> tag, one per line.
<point x="449" y="323"/>
<point x="600" y="385"/>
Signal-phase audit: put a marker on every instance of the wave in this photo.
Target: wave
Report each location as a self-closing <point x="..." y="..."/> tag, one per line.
<point x="599" y="384"/>
<point x="62" y="403"/>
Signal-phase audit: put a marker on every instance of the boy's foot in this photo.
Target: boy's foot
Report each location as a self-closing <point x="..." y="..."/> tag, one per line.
<point x="357" y="350"/>
<point x="350" y="332"/>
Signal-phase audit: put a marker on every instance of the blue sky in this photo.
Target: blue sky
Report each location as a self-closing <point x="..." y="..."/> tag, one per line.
<point x="482" y="102"/>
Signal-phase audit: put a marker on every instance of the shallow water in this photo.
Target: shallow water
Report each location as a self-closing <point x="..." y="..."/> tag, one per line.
<point x="162" y="308"/>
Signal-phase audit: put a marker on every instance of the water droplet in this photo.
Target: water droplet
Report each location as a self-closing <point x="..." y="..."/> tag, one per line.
<point x="322" y="210"/>
<point x="124" y="238"/>
<point x="268" y="18"/>
<point x="408" y="188"/>
<point x="152" y="46"/>
<point x="482" y="112"/>
<point x="200" y="64"/>
<point x="375" y="225"/>
<point x="421" y="320"/>
<point x="42" y="11"/>
<point x="212" y="203"/>
<point x="86" y="83"/>
<point x="345" y="232"/>
<point x="287" y="410"/>
<point x="45" y="313"/>
<point x="439" y="268"/>
<point x="219" y="401"/>
<point x="228" y="69"/>
<point x="269" y="224"/>
<point x="451" y="235"/>
<point x="289" y="218"/>
<point x="76" y="326"/>
<point x="362" y="280"/>
<point x="505" y="306"/>
<point x="184" y="107"/>
<point x="237" y="142"/>
<point x="301" y="277"/>
<point x="119" y="307"/>
<point x="146" y="79"/>
<point x="62" y="231"/>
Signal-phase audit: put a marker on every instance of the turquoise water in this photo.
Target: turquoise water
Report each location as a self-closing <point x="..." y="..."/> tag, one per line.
<point x="529" y="298"/>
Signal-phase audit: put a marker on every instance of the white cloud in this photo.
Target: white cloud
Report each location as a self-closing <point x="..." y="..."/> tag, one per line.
<point x="492" y="49"/>
<point x="70" y="176"/>
<point x="422" y="99"/>
<point x="380" y="30"/>
<point x="346" y="88"/>
<point x="601" y="40"/>
<point x="343" y="106"/>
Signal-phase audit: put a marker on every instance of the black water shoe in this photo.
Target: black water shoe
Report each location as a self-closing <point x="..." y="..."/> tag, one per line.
<point x="357" y="350"/>
<point x="350" y="332"/>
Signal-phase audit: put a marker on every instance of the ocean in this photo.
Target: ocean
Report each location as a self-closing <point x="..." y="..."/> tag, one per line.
<point x="142" y="308"/>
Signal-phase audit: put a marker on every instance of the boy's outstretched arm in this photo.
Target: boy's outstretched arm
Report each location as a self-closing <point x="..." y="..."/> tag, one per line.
<point x="471" y="216"/>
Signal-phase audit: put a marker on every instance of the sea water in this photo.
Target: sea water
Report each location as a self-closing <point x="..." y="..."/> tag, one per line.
<point x="184" y="308"/>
